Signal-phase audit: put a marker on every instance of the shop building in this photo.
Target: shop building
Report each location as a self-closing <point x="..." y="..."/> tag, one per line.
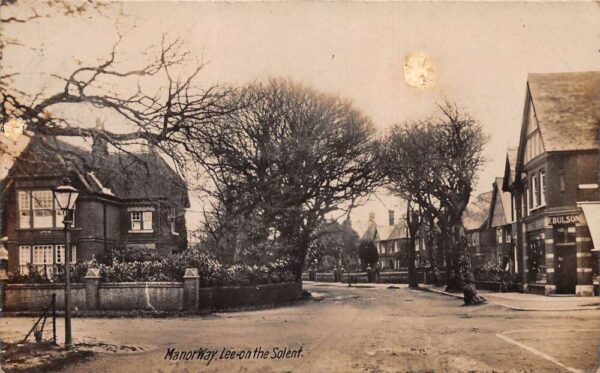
<point x="556" y="171"/>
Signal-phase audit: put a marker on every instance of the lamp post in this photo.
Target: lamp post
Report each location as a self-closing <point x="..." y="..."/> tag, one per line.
<point x="66" y="196"/>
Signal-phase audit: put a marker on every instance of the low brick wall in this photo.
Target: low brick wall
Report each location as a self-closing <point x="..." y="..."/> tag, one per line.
<point x="163" y="296"/>
<point x="159" y="296"/>
<point x="21" y="297"/>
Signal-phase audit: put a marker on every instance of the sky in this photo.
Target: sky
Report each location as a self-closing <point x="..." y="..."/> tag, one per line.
<point x="481" y="53"/>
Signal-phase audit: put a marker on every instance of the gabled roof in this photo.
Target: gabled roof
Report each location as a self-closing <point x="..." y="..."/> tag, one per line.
<point x="502" y="201"/>
<point x="567" y="108"/>
<point x="370" y="233"/>
<point x="399" y="232"/>
<point x="133" y="176"/>
<point x="510" y="168"/>
<point x="384" y="232"/>
<point x="477" y="211"/>
<point x="376" y="232"/>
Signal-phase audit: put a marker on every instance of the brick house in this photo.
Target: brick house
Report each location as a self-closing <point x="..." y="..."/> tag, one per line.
<point x="556" y="171"/>
<point x="125" y="200"/>
<point x="391" y="242"/>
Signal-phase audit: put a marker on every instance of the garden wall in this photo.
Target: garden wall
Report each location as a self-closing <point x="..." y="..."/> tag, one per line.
<point x="17" y="297"/>
<point x="159" y="296"/>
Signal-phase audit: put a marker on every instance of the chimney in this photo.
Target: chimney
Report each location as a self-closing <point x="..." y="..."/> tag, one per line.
<point x="99" y="147"/>
<point x="391" y="216"/>
<point x="371" y="217"/>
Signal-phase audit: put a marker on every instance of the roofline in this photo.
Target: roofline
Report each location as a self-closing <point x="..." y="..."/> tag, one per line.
<point x="523" y="135"/>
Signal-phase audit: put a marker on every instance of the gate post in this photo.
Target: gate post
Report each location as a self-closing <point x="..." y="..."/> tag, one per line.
<point x="92" y="291"/>
<point x="191" y="286"/>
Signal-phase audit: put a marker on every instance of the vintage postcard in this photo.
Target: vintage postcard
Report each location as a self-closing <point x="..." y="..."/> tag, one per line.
<point x="289" y="186"/>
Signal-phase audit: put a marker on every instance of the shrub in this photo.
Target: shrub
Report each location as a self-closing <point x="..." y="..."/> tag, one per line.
<point x="135" y="265"/>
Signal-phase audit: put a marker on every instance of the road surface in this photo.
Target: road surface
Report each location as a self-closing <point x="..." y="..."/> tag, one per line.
<point x="349" y="330"/>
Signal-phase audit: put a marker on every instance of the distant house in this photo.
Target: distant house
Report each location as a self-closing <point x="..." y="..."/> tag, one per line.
<point x="481" y="240"/>
<point x="391" y="241"/>
<point x="500" y="219"/>
<point x="126" y="200"/>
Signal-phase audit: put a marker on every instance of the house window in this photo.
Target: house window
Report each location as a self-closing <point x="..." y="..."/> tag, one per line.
<point x="536" y="191"/>
<point x="24" y="259"/>
<point x="38" y="210"/>
<point x="43" y="212"/>
<point x="60" y="254"/>
<point x="499" y="235"/>
<point x="141" y="221"/>
<point x="43" y="258"/>
<point x="173" y="222"/>
<point x="42" y="255"/>
<point x="543" y="188"/>
<point x="24" y="209"/>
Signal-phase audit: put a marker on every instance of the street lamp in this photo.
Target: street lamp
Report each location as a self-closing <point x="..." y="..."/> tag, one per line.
<point x="66" y="196"/>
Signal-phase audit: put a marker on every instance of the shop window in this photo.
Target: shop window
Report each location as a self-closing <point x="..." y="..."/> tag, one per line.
<point x="537" y="258"/>
<point x="565" y="235"/>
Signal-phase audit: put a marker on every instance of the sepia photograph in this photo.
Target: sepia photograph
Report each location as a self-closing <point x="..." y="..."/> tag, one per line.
<point x="299" y="186"/>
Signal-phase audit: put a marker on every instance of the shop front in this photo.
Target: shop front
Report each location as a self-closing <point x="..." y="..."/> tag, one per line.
<point x="565" y="259"/>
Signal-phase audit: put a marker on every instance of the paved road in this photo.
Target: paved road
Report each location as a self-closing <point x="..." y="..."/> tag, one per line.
<point x="355" y="330"/>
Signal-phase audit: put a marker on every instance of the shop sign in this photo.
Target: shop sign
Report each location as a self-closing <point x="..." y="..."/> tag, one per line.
<point x="535" y="225"/>
<point x="563" y="219"/>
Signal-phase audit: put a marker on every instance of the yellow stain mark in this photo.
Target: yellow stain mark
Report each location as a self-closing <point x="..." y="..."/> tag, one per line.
<point x="419" y="70"/>
<point x="14" y="128"/>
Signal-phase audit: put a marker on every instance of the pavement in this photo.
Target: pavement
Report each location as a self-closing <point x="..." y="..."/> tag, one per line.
<point x="514" y="301"/>
<point x="364" y="328"/>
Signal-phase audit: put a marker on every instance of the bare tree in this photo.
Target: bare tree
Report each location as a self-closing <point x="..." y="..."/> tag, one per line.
<point x="289" y="157"/>
<point x="164" y="102"/>
<point x="434" y="163"/>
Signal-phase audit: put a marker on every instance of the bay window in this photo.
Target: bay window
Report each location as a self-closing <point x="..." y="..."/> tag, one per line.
<point x="37" y="209"/>
<point x="43" y="257"/>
